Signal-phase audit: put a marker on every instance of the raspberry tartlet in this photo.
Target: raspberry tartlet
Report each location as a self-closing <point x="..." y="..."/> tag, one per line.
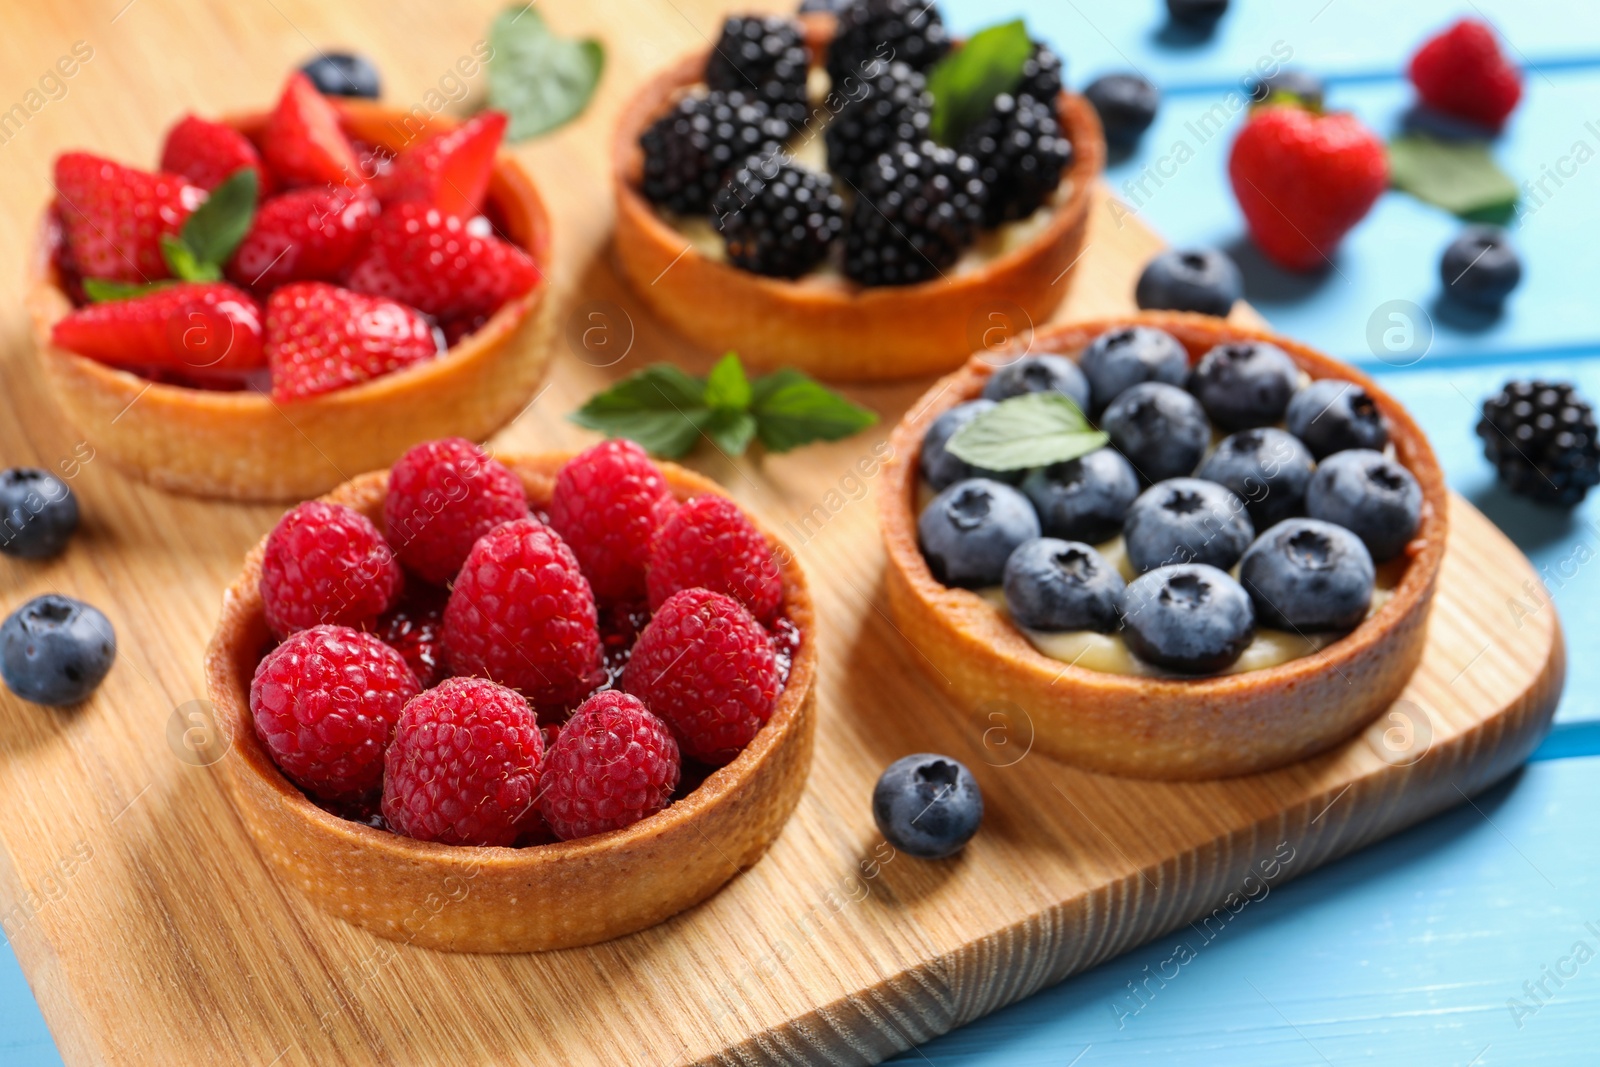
<point x="792" y="261"/>
<point x="507" y="762"/>
<point x="389" y="289"/>
<point x="1236" y="576"/>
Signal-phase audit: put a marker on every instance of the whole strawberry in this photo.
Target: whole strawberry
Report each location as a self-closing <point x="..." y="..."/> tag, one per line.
<point x="207" y="152"/>
<point x="709" y="542"/>
<point x="612" y="764"/>
<point x="1462" y="72"/>
<point x="1303" y="179"/>
<point x="325" y="703"/>
<point x="443" y="496"/>
<point x="321" y="338"/>
<point x="303" y="235"/>
<point x="463" y="768"/>
<point x="607" y="504"/>
<point x="114" y="216"/>
<point x="201" y="330"/>
<point x="450" y="170"/>
<point x="326" y="563"/>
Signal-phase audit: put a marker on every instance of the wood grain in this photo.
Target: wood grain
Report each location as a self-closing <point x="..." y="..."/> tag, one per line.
<point x="151" y="930"/>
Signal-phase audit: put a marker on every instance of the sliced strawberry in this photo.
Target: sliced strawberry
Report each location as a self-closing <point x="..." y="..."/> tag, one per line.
<point x="201" y="329"/>
<point x="207" y="152"/>
<point x="449" y="170"/>
<point x="321" y="338"/>
<point x="303" y="235"/>
<point x="115" y="216"/>
<point x="441" y="264"/>
<point x="303" y="143"/>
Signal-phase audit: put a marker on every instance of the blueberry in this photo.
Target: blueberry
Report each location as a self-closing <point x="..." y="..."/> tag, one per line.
<point x="1126" y="104"/>
<point x="1199" y="14"/>
<point x="1160" y="428"/>
<point x="1186" y="520"/>
<point x="1038" y="374"/>
<point x="1303" y="86"/>
<point x="971" y="528"/>
<point x="1062" y="585"/>
<point x="1190" y="618"/>
<point x="38" y="513"/>
<point x="1370" y="495"/>
<point x="1195" y="279"/>
<point x="1083" y="499"/>
<point x="1120" y="359"/>
<point x="1331" y="415"/>
<point x="927" y="805"/>
<point x="1266" y="468"/>
<point x="343" y="74"/>
<point x="56" y="650"/>
<point x="1480" y="268"/>
<point x="1245" y="384"/>
<point x="1307" y="575"/>
<point x="940" y="468"/>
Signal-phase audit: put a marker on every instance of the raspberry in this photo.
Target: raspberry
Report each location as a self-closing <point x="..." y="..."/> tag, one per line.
<point x="325" y="703"/>
<point x="522" y="614"/>
<point x="613" y="764"/>
<point x="607" y="505"/>
<point x="1462" y="72"/>
<point x="706" y="667"/>
<point x="415" y="628"/>
<point x="327" y="563"/>
<point x="443" y="496"/>
<point x="464" y="766"/>
<point x="708" y="542"/>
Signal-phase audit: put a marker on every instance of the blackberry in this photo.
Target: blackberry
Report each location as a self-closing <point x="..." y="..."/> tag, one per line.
<point x="872" y="32"/>
<point x="1541" y="438"/>
<point x="1041" y="76"/>
<point x="778" y="218"/>
<point x="767" y="58"/>
<point x="1020" y="154"/>
<point x="918" y="208"/>
<point x="689" y="152"/>
<point x="894" y="110"/>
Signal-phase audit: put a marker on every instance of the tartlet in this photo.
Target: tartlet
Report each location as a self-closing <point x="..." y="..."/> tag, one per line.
<point x="832" y="328"/>
<point x="1182" y="728"/>
<point x="562" y="895"/>
<point x="241" y="445"/>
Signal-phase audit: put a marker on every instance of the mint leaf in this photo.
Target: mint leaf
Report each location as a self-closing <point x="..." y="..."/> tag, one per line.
<point x="1460" y="176"/>
<point x="792" y="410"/>
<point x="726" y="386"/>
<point x="660" y="407"/>
<point x="539" y="80"/>
<point x="1031" y="430"/>
<point x="731" y="430"/>
<point x="965" y="83"/>
<point x="100" y="290"/>
<point x="184" y="264"/>
<point x="217" y="226"/>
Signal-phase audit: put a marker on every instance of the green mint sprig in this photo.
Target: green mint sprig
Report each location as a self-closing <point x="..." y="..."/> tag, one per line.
<point x="538" y="79"/>
<point x="965" y="83"/>
<point x="1031" y="430"/>
<point x="1461" y="177"/>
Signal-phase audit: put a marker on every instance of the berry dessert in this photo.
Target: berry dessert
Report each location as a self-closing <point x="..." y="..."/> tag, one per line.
<point x="1181" y="587"/>
<point x="582" y="683"/>
<point x="853" y="195"/>
<point x="293" y="293"/>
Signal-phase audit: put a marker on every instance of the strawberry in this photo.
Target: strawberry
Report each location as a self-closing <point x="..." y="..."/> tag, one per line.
<point x="114" y="216"/>
<point x="303" y="235"/>
<point x="1462" y="72"/>
<point x="207" y="152"/>
<point x="303" y="142"/>
<point x="321" y="338"/>
<point x="450" y="170"/>
<point x="201" y="329"/>
<point x="441" y="264"/>
<point x="1303" y="180"/>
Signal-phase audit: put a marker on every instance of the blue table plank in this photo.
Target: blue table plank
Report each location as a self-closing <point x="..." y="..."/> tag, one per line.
<point x="24" y="1039"/>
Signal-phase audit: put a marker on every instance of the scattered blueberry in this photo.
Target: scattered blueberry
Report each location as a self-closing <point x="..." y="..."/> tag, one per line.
<point x="1127" y="106"/>
<point x="940" y="468"/>
<point x="1480" y="268"/>
<point x="1083" y="499"/>
<point x="1199" y="14"/>
<point x="343" y="74"/>
<point x="1301" y="85"/>
<point x="1120" y="359"/>
<point x="1306" y="575"/>
<point x="1190" y="618"/>
<point x="1331" y="415"/>
<point x="1195" y="279"/>
<point x="832" y="7"/>
<point x="38" y="513"/>
<point x="55" y="650"/>
<point x="971" y="528"/>
<point x="927" y="806"/>
<point x="1245" y="384"/>
<point x="1039" y="374"/>
<point x="1062" y="585"/>
<point x="1160" y="428"/>
<point x="1370" y="495"/>
<point x="1419" y="118"/>
<point x="1186" y="520"/>
<point x="1266" y="468"/>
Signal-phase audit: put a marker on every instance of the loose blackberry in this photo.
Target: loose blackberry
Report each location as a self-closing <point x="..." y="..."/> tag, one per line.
<point x="1541" y="438"/>
<point x="689" y="152"/>
<point x="918" y="208"/>
<point x="1021" y="154"/>
<point x="872" y="32"/>
<point x="778" y="218"/>
<point x="767" y="58"/>
<point x="1041" y="75"/>
<point x="892" y="108"/>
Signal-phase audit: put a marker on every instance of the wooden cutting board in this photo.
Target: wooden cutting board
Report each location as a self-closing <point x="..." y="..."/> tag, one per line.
<point x="153" y="933"/>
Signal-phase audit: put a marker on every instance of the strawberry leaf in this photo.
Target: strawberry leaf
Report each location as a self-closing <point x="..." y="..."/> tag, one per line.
<point x="1031" y="430"/>
<point x="538" y="79"/>
<point x="965" y="83"/>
